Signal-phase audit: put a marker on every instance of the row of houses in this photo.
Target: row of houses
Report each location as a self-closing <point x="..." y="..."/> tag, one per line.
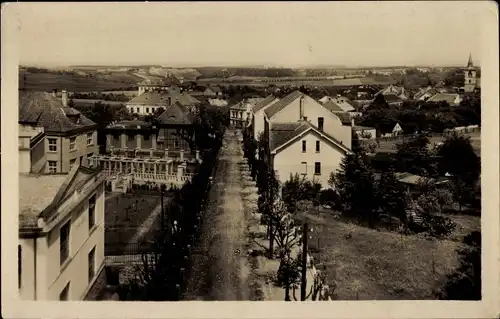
<point x="62" y="182"/>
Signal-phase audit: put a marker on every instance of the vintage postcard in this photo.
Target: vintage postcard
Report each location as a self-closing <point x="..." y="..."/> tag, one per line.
<point x="339" y="159"/>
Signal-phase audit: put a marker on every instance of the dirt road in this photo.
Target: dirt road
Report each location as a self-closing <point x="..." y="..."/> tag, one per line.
<point x="220" y="268"/>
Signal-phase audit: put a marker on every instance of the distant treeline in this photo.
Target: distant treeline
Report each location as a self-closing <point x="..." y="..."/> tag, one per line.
<point x="101" y="96"/>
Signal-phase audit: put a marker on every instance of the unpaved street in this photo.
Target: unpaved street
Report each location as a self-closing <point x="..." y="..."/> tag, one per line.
<point x="220" y="267"/>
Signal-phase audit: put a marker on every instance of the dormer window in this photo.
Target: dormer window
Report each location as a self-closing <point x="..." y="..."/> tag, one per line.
<point x="74" y="118"/>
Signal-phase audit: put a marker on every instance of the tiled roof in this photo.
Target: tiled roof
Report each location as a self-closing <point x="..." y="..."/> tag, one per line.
<point x="176" y="114"/>
<point x="422" y="92"/>
<point x="343" y="103"/>
<point x="281" y="104"/>
<point x="446" y="97"/>
<point x="281" y="133"/>
<point x="260" y="105"/>
<point x="44" y="109"/>
<point x="332" y="106"/>
<point x="161" y="98"/>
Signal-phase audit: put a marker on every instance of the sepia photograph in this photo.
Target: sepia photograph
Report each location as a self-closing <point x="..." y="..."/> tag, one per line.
<point x="290" y="152"/>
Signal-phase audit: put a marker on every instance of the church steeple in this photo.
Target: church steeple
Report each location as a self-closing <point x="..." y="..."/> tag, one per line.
<point x="469" y="63"/>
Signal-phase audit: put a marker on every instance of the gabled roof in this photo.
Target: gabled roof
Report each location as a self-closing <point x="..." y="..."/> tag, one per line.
<point x="176" y="114"/>
<point x="151" y="98"/>
<point x="44" y="109"/>
<point x="446" y="97"/>
<point x="391" y="90"/>
<point x="332" y="106"/>
<point x="265" y="102"/>
<point x="161" y="98"/>
<point x="40" y="195"/>
<point x="343" y="103"/>
<point x="423" y="91"/>
<point x="284" y="133"/>
<point x="281" y="104"/>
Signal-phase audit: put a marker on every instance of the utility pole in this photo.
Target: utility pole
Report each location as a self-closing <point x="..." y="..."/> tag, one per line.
<point x="303" y="285"/>
<point x="162" y="189"/>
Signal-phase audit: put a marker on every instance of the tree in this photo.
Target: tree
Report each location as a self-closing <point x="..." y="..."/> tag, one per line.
<point x="430" y="205"/>
<point x="288" y="275"/>
<point x="354" y="182"/>
<point x="414" y="156"/>
<point x="457" y="157"/>
<point x="465" y="282"/>
<point x="286" y="230"/>
<point x="392" y="196"/>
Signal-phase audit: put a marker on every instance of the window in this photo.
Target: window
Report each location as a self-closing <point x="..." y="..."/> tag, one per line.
<point x="131" y="137"/>
<point x="52" y="166"/>
<point x="90" y="138"/>
<point x="137" y="110"/>
<point x="304" y="164"/>
<point x="317" y="168"/>
<point x="64" y="242"/>
<point x="64" y="295"/>
<point x="304" y="146"/>
<point x="176" y="143"/>
<point x="92" y="202"/>
<point x="146" y="137"/>
<point x="147" y="110"/>
<point x="19" y="265"/>
<point x="317" y="147"/>
<point x="72" y="163"/>
<point x="320" y="123"/>
<point x="305" y="118"/>
<point x="72" y="143"/>
<point x="91" y="260"/>
<point x="52" y="145"/>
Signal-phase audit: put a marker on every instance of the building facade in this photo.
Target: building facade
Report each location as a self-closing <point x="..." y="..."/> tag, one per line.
<point x="300" y="148"/>
<point x="61" y="234"/>
<point x="31" y="149"/>
<point x="70" y="137"/>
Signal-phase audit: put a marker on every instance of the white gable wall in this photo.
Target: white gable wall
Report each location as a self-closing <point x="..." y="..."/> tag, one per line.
<point x="290" y="159"/>
<point x="313" y="110"/>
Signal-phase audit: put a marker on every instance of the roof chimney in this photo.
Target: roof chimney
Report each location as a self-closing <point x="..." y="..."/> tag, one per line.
<point x="64" y="98"/>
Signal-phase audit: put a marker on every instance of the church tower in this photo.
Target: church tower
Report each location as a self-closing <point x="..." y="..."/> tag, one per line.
<point x="470" y="76"/>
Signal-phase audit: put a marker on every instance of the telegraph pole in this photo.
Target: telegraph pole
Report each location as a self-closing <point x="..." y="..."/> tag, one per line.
<point x="303" y="285"/>
<point x="162" y="189"/>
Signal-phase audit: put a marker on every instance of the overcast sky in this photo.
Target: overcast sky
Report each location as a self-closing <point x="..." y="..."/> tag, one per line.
<point x="284" y="34"/>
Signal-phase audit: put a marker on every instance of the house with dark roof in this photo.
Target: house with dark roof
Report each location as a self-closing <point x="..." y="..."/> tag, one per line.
<point x="394" y="95"/>
<point x="299" y="106"/>
<point x="70" y="137"/>
<point x="61" y="235"/>
<point x="258" y="115"/>
<point x="302" y="148"/>
<point x="164" y="134"/>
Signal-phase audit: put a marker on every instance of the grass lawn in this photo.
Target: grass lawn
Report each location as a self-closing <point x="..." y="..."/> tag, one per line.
<point x="123" y="221"/>
<point x="379" y="265"/>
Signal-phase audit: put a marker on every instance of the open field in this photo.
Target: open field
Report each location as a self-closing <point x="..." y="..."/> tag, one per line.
<point x="381" y="265"/>
<point x="73" y="82"/>
<point x="90" y="102"/>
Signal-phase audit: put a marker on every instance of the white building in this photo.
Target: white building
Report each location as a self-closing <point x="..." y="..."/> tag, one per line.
<point x="61" y="234"/>
<point x="301" y="148"/>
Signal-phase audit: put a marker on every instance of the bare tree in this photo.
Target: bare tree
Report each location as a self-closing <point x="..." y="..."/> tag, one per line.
<point x="286" y="232"/>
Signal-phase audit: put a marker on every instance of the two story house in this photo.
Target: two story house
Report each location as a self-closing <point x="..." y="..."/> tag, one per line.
<point x="61" y="235"/>
<point x="293" y="123"/>
<point x="302" y="148"/>
<point x="150" y="102"/>
<point x="299" y="106"/>
<point x="70" y="137"/>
